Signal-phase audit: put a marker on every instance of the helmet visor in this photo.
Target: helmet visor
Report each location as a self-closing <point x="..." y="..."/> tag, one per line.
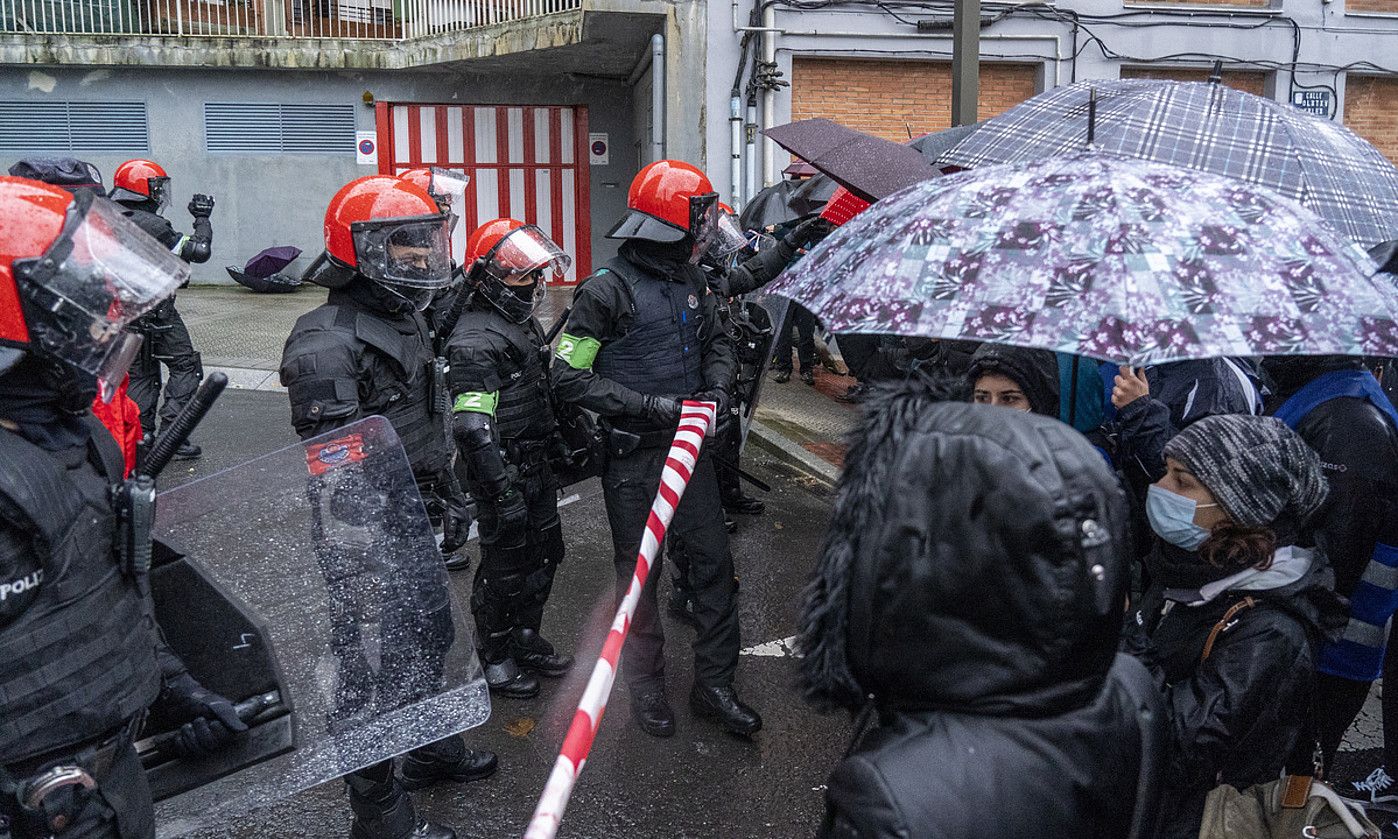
<point x="160" y="192"/>
<point x="414" y="251"/>
<point x="704" y="220"/>
<point x="101" y="274"/>
<point x="524" y="251"/>
<point x="449" y="191"/>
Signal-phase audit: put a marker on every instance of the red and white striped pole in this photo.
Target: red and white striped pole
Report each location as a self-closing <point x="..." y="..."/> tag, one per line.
<point x="695" y="419"/>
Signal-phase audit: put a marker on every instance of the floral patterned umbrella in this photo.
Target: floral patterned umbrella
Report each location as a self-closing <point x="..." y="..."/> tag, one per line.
<point x="1114" y="258"/>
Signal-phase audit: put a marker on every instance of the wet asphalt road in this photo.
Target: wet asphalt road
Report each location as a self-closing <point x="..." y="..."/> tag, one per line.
<point x="700" y="784"/>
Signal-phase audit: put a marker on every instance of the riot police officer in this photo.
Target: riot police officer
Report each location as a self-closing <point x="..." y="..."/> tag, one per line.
<point x="143" y="189"/>
<point x="366" y="351"/>
<point x="503" y="421"/>
<point x="644" y="333"/>
<point x="83" y="657"/>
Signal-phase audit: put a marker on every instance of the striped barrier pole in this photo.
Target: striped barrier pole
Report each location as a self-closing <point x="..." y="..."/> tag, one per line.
<point x="695" y="419"/>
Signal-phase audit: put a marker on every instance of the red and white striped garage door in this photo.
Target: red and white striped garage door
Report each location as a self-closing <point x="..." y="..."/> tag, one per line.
<point x="525" y="161"/>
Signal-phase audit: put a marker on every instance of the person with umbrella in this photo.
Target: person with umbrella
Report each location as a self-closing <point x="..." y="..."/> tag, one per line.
<point x="142" y="188"/>
<point x="1015" y="377"/>
<point x="644" y="333"/>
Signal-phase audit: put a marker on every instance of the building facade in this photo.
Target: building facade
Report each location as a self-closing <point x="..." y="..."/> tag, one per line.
<point x="553" y="105"/>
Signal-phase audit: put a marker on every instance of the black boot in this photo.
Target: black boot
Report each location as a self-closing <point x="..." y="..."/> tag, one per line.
<point x="187" y="451"/>
<point x="782" y="377"/>
<point x="507" y="679"/>
<point x="445" y="761"/>
<point x="459" y="561"/>
<point x="383" y="810"/>
<point x="532" y="652"/>
<point x="681" y="604"/>
<point x="652" y="710"/>
<point x="743" y="504"/>
<point x="723" y="705"/>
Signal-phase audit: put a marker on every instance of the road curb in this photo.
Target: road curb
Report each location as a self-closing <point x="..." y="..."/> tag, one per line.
<point x="791" y="453"/>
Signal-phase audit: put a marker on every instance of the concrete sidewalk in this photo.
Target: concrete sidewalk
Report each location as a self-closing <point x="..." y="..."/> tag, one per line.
<point x="241" y="333"/>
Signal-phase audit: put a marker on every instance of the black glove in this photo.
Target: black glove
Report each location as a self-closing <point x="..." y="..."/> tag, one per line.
<point x="213" y="720"/>
<point x="808" y="232"/>
<point x="660" y="410"/>
<point x="723" y="410"/>
<point x="511" y="514"/>
<point x="456" y="521"/>
<point x="202" y="206"/>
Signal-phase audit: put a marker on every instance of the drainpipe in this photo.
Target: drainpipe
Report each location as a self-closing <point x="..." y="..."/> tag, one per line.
<point x="657" y="96"/>
<point x="751" y="186"/>
<point x="769" y="94"/>
<point x="735" y="151"/>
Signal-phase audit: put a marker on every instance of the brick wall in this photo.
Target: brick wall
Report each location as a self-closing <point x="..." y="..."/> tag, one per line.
<point x="1371" y="103"/>
<point x="1244" y="80"/>
<point x="1380" y="6"/>
<point x="895" y="98"/>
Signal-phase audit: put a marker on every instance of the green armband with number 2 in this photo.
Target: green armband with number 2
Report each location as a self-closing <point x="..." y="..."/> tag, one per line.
<point x="578" y="352"/>
<point x="476" y="402"/>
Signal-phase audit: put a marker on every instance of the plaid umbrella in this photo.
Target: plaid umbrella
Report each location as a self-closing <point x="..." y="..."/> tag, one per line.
<point x="1207" y="126"/>
<point x="1108" y="257"/>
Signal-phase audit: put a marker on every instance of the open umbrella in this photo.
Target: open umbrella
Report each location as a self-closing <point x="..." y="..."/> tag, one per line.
<point x="270" y="261"/>
<point x="933" y="146"/>
<point x="786" y="201"/>
<point x="1206" y="126"/>
<point x="1118" y="259"/>
<point x="870" y="167"/>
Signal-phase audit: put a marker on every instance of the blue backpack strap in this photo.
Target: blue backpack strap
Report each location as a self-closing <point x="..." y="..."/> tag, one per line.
<point x="1337" y="384"/>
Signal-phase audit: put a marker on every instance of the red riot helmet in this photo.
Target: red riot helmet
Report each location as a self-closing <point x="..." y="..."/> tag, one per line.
<point x="141" y="180"/>
<point x="390" y="231"/>
<point x="669" y="200"/>
<point x="507" y="260"/>
<point x="74" y="273"/>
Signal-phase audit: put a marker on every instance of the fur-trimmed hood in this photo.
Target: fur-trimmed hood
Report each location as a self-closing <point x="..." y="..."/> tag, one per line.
<point x="976" y="563"/>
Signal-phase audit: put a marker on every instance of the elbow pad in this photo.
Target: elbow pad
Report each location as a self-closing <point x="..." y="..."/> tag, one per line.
<point x="198" y="248"/>
<point x="475" y="437"/>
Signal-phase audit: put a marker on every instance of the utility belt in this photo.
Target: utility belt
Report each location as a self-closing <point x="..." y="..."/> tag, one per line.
<point x="526" y="453"/>
<point x="621" y="442"/>
<point x="43" y="796"/>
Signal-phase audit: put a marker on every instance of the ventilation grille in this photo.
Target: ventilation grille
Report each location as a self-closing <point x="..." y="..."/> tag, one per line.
<point x="242" y="128"/>
<point x="77" y="127"/>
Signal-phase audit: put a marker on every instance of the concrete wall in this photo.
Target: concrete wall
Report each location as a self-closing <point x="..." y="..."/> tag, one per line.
<point x="1332" y="36"/>
<point x="275" y="200"/>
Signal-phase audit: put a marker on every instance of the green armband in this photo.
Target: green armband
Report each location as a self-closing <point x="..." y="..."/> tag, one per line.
<point x="476" y="402"/>
<point x="578" y="352"/>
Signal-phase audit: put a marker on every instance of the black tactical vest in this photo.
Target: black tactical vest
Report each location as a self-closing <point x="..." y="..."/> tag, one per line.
<point x="525" y="408"/>
<point x="401" y="382"/>
<point x="80" y="660"/>
<point x="660" y="353"/>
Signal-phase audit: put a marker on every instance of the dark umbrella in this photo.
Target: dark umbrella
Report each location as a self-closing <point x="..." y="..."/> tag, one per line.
<point x="1207" y="126"/>
<point x="270" y="261"/>
<point x="275" y="284"/>
<point x="870" y="167"/>
<point x="1109" y="257"/>
<point x="934" y="145"/>
<point x="785" y="201"/>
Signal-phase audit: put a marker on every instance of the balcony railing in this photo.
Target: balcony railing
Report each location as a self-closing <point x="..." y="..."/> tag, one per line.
<point x="363" y="19"/>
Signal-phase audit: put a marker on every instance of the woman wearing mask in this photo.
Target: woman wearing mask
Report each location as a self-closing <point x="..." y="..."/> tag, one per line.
<point x="1239" y="604"/>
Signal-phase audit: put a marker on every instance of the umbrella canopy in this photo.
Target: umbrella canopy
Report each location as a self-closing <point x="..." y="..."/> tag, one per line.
<point x="1118" y="259"/>
<point x="1206" y="126"/>
<point x="933" y="146"/>
<point x="785" y="201"/>
<point x="870" y="167"/>
<point x="275" y="284"/>
<point x="270" y="261"/>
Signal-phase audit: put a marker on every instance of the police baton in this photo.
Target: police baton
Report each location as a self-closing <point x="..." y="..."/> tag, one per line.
<point x="558" y="326"/>
<point x="162" y="451"/>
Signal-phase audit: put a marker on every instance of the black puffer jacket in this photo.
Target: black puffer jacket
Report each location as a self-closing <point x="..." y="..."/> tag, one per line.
<point x="978" y="604"/>
<point x="1236" y="717"/>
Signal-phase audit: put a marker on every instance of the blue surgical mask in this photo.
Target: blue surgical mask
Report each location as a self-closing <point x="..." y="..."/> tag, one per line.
<point x="1172" y="517"/>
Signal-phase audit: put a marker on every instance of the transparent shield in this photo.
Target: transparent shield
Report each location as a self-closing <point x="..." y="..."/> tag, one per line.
<point x="777" y="309"/>
<point x="328" y="544"/>
<point x="524" y="251"/>
<point x="449" y="188"/>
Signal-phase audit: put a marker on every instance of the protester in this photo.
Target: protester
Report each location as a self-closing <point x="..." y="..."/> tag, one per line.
<point x="1240" y="603"/>
<point x="800" y="319"/>
<point x="1336" y="406"/>
<point x="1014" y="377"/>
<point x="968" y="602"/>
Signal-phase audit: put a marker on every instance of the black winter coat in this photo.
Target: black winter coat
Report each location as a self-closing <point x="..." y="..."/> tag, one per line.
<point x="1236" y="717"/>
<point x="973" y="585"/>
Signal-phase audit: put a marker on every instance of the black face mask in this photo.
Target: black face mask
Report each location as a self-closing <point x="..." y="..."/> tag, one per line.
<point x="516" y="303"/>
<point x="391" y="299"/>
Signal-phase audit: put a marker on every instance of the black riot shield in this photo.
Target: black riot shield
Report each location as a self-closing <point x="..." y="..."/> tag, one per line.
<point x="327" y="552"/>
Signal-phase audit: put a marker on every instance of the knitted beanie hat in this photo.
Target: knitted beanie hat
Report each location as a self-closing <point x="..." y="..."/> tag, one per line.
<point x="1257" y="467"/>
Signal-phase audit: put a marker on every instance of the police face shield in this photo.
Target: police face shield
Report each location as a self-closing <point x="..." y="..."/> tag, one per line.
<point x="703" y="224"/>
<point x="160" y="192"/>
<point x="413" y="252"/>
<point x="448" y="189"/>
<point x="513" y="273"/>
<point x="101" y="274"/>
